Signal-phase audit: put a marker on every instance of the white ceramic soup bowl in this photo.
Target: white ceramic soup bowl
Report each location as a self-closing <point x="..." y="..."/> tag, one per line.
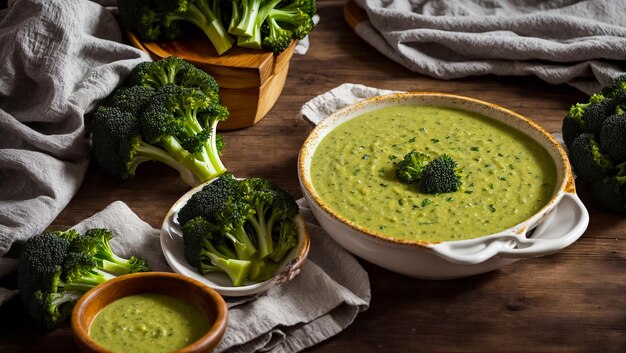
<point x="557" y="225"/>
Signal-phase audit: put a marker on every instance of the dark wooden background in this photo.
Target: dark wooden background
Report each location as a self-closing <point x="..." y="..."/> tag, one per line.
<point x="573" y="301"/>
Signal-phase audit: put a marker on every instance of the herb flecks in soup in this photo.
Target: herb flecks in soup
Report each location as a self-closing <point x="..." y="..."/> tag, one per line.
<point x="506" y="176"/>
<point x="148" y="323"/>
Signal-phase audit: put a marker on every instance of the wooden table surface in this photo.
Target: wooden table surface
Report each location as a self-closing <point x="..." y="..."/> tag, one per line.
<point x="573" y="301"/>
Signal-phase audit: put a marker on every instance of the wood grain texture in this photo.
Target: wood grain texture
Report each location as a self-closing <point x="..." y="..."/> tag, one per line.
<point x="573" y="301"/>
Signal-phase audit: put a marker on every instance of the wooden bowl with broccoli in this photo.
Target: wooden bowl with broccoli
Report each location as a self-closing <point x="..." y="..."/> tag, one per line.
<point x="238" y="236"/>
<point x="439" y="186"/>
<point x="246" y="46"/>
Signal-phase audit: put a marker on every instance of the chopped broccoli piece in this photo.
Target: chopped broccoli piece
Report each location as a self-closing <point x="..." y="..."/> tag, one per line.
<point x="589" y="161"/>
<point x="285" y="239"/>
<point x="440" y="176"/>
<point x="409" y="169"/>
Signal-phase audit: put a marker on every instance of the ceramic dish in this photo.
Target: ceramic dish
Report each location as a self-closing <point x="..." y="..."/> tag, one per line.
<point x="206" y="301"/>
<point x="564" y="217"/>
<point x="172" y="246"/>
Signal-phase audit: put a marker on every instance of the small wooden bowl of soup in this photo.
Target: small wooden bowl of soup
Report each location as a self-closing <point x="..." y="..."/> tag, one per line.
<point x="517" y="197"/>
<point x="149" y="312"/>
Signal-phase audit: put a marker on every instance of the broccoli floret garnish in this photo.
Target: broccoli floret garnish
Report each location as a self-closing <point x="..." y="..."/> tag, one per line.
<point x="241" y="227"/>
<point x="430" y="176"/>
<point x="161" y="19"/>
<point x="57" y="268"/>
<point x="409" y="169"/>
<point x="440" y="176"/>
<point x="588" y="160"/>
<point x="615" y="87"/>
<point x="158" y="119"/>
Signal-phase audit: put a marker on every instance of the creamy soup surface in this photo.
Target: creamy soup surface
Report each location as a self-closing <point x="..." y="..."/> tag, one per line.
<point x="506" y="176"/>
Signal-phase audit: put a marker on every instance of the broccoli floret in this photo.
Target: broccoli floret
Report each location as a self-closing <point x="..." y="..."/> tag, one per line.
<point x="589" y="161"/>
<point x="610" y="191"/>
<point x="409" y="169"/>
<point x="119" y="148"/>
<point x="615" y="86"/>
<point x="107" y="260"/>
<point x="271" y="24"/>
<point x="295" y="17"/>
<point x="54" y="271"/>
<point x="596" y="113"/>
<point x="209" y="251"/>
<point x="285" y="239"/>
<point x="242" y="220"/>
<point x="440" y="176"/>
<point x="181" y="122"/>
<point x="575" y="122"/>
<point x="173" y="70"/>
<point x="208" y="200"/>
<point x="613" y="137"/>
<point x="131" y="99"/>
<point x="278" y="38"/>
<point x="153" y="20"/>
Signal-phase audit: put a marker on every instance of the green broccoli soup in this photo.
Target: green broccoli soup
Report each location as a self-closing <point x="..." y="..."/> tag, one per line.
<point x="505" y="175"/>
<point x="148" y="323"/>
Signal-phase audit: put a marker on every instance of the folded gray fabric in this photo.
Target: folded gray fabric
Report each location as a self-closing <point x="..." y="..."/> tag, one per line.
<point x="331" y="289"/>
<point x="581" y="43"/>
<point x="59" y="58"/>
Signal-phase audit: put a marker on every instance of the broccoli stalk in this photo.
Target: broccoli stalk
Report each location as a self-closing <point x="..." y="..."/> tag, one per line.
<point x="237" y="270"/>
<point x="285" y="239"/>
<point x="107" y="259"/>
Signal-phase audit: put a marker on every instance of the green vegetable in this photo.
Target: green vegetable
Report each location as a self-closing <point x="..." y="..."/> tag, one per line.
<point x="165" y="19"/>
<point x="410" y="169"/>
<point x="440" y="176"/>
<point x="241" y="227"/>
<point x="56" y="268"/>
<point x="431" y="176"/>
<point x="159" y="119"/>
<point x="611" y="191"/>
<point x="595" y="134"/>
<point x="256" y="24"/>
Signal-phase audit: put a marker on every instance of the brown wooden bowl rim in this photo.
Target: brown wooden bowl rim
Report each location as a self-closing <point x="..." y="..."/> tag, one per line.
<point x="208" y="340"/>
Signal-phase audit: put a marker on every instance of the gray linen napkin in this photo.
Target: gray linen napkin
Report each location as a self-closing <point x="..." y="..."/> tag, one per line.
<point x="581" y="43"/>
<point x="59" y="58"/>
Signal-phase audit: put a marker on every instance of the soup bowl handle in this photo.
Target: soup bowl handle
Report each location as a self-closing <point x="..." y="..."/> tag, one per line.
<point x="562" y="227"/>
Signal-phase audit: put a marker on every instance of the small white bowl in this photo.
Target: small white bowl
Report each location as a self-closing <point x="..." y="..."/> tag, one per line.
<point x="172" y="246"/>
<point x="565" y="216"/>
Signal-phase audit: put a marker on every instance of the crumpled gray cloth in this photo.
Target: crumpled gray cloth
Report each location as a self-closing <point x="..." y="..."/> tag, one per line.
<point x="331" y="289"/>
<point x="59" y="58"/>
<point x="578" y="42"/>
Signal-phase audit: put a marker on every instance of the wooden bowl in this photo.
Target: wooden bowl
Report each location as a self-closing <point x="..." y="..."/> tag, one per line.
<point x="250" y="80"/>
<point x="205" y="299"/>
